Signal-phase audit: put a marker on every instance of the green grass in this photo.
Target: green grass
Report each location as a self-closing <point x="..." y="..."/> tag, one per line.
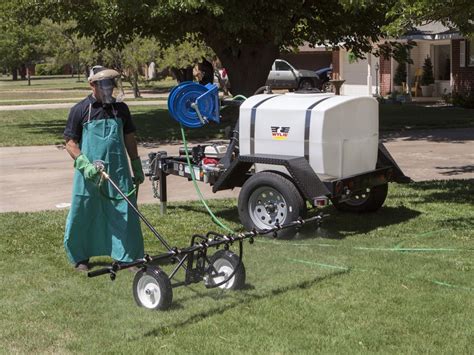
<point x="410" y="117"/>
<point x="43" y="127"/>
<point x="72" y="99"/>
<point x="64" y="82"/>
<point x="322" y="292"/>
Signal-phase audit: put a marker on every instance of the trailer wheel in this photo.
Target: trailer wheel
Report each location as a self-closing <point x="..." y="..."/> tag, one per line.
<point x="370" y="203"/>
<point x="267" y="199"/>
<point x="225" y="262"/>
<point x="152" y="289"/>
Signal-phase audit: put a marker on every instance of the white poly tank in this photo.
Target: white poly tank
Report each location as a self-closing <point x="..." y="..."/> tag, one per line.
<point x="337" y="134"/>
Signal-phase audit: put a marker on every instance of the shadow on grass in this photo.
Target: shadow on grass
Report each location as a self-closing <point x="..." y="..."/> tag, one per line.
<point x="50" y="128"/>
<point x="441" y="191"/>
<point x="157" y="125"/>
<point x="339" y="225"/>
<point x="164" y="330"/>
<point x="406" y="119"/>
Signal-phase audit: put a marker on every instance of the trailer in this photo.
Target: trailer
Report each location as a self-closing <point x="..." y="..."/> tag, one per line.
<point x="287" y="151"/>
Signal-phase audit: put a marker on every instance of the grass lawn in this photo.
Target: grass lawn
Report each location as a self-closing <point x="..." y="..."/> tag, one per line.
<point x="44" y="127"/>
<point x="400" y="281"/>
<point x="64" y="82"/>
<point x="409" y="117"/>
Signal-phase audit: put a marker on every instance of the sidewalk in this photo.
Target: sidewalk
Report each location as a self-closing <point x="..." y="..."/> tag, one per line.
<point x="40" y="177"/>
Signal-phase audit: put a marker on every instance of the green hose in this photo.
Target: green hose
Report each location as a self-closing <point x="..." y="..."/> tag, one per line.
<point x="198" y="191"/>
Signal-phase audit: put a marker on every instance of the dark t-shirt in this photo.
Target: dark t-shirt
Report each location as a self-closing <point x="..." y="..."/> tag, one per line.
<point x="79" y="114"/>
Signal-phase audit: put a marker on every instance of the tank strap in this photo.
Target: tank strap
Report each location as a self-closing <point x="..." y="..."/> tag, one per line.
<point x="307" y="125"/>
<point x="253" y="115"/>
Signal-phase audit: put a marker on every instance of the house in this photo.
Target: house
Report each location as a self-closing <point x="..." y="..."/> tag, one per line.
<point x="452" y="56"/>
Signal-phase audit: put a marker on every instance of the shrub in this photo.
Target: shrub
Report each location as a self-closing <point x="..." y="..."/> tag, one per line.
<point x="427" y="77"/>
<point x="48" y="69"/>
<point x="400" y="74"/>
<point x="463" y="99"/>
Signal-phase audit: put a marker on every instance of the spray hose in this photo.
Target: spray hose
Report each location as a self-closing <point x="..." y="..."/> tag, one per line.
<point x="198" y="191"/>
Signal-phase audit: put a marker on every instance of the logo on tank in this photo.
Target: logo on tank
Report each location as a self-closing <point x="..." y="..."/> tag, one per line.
<point x="280" y="133"/>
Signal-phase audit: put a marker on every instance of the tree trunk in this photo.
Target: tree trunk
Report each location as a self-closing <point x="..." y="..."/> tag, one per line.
<point x="15" y="74"/>
<point x="23" y="72"/>
<point x="136" y="90"/>
<point x="28" y="75"/>
<point x="251" y="62"/>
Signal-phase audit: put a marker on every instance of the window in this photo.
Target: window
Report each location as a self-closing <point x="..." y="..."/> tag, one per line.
<point x="279" y="65"/>
<point x="470" y="53"/>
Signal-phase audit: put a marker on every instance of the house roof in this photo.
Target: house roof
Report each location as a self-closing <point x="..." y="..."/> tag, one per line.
<point x="432" y="31"/>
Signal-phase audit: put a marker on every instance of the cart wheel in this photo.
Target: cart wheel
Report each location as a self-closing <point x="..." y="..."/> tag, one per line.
<point x="371" y="202"/>
<point x="225" y="262"/>
<point x="268" y="199"/>
<point x="152" y="289"/>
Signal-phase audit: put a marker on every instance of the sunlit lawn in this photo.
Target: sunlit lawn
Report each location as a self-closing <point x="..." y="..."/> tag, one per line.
<point x="68" y="83"/>
<point x="399" y="281"/>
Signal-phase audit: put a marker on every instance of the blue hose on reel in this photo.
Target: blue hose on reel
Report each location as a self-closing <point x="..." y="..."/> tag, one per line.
<point x="193" y="105"/>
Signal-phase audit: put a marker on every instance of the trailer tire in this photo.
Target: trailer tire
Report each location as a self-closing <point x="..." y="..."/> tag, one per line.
<point x="225" y="261"/>
<point x="268" y="198"/>
<point x="152" y="289"/>
<point x="374" y="200"/>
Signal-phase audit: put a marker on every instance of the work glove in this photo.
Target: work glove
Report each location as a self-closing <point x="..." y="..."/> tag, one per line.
<point x="88" y="170"/>
<point x="138" y="176"/>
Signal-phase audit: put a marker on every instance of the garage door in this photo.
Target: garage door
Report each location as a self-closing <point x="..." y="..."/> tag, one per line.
<point x="355" y="75"/>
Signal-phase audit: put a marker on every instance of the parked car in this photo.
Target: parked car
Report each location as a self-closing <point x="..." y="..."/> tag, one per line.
<point x="285" y="76"/>
<point x="324" y="75"/>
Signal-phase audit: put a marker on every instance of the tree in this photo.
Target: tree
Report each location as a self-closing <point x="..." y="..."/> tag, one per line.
<point x="456" y="14"/>
<point x="181" y="57"/>
<point x="130" y="59"/>
<point x="427" y="77"/>
<point x="20" y="45"/>
<point x="400" y="74"/>
<point x="67" y="47"/>
<point x="246" y="35"/>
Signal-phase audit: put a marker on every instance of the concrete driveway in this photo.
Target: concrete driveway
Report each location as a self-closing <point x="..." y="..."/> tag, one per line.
<point x="40" y="177"/>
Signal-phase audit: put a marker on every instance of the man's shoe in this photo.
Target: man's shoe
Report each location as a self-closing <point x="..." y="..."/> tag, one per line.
<point x="82" y="265"/>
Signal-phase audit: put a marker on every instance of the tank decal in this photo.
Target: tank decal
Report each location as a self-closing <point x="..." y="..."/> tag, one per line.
<point x="307" y="124"/>
<point x="252" y="122"/>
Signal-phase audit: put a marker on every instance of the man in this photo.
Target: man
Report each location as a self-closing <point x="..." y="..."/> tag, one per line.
<point x="100" y="222"/>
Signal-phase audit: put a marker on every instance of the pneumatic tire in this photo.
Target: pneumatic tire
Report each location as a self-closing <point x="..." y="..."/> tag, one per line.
<point x="226" y="263"/>
<point x="152" y="289"/>
<point x="371" y="203"/>
<point x="306" y="84"/>
<point x="267" y="199"/>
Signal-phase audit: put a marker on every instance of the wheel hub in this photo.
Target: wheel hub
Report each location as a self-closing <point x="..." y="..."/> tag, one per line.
<point x="267" y="207"/>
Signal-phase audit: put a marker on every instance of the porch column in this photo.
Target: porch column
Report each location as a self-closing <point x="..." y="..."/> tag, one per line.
<point x="369" y="73"/>
<point x="408" y="80"/>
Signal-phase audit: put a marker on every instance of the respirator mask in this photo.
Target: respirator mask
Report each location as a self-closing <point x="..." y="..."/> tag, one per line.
<point x="108" y="86"/>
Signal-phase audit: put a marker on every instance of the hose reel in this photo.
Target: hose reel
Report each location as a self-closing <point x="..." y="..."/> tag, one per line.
<point x="194" y="105"/>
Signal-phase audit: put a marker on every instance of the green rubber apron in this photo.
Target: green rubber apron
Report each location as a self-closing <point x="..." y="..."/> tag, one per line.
<point x="100" y="222"/>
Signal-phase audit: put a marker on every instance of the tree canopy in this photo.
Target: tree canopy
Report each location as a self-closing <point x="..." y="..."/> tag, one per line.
<point x="248" y="35"/>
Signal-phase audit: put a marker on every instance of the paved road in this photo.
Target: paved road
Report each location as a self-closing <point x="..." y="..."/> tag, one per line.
<point x="39" y="178"/>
